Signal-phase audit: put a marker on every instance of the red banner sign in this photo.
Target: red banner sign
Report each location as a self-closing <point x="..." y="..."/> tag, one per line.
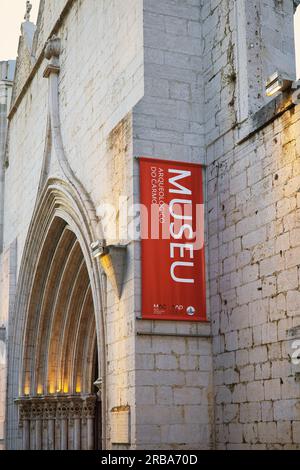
<point x="172" y="232"/>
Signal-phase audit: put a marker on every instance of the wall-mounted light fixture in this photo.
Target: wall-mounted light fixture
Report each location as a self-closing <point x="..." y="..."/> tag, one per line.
<point x="278" y="83"/>
<point x="113" y="262"/>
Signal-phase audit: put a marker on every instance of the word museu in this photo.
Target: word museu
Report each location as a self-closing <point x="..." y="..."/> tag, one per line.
<point x="96" y="84"/>
<point x="185" y="229"/>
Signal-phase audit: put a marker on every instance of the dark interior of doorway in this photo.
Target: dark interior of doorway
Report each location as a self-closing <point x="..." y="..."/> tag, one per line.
<point x="98" y="414"/>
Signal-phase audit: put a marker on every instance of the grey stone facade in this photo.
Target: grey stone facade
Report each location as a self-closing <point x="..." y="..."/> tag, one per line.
<point x="7" y="69"/>
<point x="98" y="84"/>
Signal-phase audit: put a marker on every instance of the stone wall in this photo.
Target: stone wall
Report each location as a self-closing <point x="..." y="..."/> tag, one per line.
<point x="174" y="89"/>
<point x="101" y="80"/>
<point x="25" y="59"/>
<point x="174" y="396"/>
<point x="6" y="77"/>
<point x="253" y="205"/>
<point x="7" y="70"/>
<point x="255" y="287"/>
<point x="7" y="293"/>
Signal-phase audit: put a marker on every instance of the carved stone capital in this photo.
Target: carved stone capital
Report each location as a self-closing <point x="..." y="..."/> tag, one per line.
<point x="37" y="410"/>
<point x="56" y="408"/>
<point x="50" y="410"/>
<point x="62" y="410"/>
<point x="89" y="407"/>
<point x="76" y="409"/>
<point x="25" y="411"/>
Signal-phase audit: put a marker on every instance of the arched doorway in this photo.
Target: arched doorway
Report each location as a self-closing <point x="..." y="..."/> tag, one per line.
<point x="58" y="403"/>
<point x="58" y="348"/>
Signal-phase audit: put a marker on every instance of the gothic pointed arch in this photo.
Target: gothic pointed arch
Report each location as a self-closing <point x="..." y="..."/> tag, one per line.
<point x="58" y="325"/>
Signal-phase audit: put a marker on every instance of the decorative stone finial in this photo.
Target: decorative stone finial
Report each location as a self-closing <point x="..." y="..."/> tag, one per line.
<point x="28" y="10"/>
<point x="52" y="48"/>
<point x="52" y="53"/>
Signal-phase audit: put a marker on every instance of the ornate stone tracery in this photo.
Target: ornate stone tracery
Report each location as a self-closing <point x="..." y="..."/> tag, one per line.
<point x="60" y="422"/>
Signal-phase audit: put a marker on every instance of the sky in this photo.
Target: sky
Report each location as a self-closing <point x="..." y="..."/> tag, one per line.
<point x="11" y="16"/>
<point x="12" y="13"/>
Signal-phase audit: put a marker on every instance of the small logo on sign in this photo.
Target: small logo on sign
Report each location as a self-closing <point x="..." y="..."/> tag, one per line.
<point x="191" y="311"/>
<point x="178" y="307"/>
<point x="159" y="309"/>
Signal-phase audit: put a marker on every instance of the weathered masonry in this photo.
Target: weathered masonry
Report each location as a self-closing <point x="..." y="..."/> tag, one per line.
<point x="98" y="83"/>
<point x="6" y="81"/>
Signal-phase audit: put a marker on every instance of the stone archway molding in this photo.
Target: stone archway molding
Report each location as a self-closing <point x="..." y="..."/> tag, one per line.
<point x="58" y="199"/>
<point x="54" y="135"/>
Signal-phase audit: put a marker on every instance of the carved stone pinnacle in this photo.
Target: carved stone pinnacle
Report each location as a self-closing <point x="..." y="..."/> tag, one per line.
<point x="28" y="10"/>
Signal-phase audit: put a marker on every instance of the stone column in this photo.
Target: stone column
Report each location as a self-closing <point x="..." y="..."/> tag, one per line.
<point x="45" y="434"/>
<point x="38" y="434"/>
<point x="25" y="414"/>
<point x="83" y="433"/>
<point x="26" y="434"/>
<point x="90" y="433"/>
<point x="50" y="415"/>
<point x="37" y="414"/>
<point x="77" y="434"/>
<point x="57" y="433"/>
<point x="89" y="414"/>
<point x="51" y="434"/>
<point x="64" y="434"/>
<point x="58" y="423"/>
<point x="32" y="434"/>
<point x="77" y="414"/>
<point x="62" y="415"/>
